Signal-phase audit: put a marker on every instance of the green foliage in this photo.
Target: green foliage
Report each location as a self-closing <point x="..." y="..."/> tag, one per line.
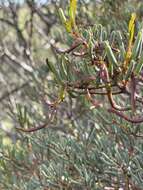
<point x="75" y="118"/>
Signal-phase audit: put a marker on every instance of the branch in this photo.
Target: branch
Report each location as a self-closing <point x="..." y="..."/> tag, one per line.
<point x="32" y="129"/>
<point x="131" y="120"/>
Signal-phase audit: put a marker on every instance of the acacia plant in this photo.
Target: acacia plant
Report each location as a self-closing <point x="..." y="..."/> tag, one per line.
<point x="98" y="63"/>
<point x="90" y="136"/>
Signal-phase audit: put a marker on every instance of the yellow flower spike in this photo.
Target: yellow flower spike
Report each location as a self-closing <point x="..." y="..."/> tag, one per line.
<point x="131" y="27"/>
<point x="72" y="12"/>
<point x="132" y="21"/>
<point x="68" y="26"/>
<point x="70" y="23"/>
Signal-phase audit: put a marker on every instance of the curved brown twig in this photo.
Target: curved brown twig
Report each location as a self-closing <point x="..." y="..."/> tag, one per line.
<point x="58" y="50"/>
<point x="113" y="104"/>
<point x="33" y="129"/>
<point x="131" y="120"/>
<point x="95" y="103"/>
<point x="109" y="91"/>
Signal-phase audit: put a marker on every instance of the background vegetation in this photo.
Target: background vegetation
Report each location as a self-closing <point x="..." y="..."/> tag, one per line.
<point x="55" y="134"/>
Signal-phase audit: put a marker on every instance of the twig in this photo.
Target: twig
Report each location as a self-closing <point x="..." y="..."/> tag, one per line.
<point x="33" y="129"/>
<point x="74" y="46"/>
<point x="131" y="120"/>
